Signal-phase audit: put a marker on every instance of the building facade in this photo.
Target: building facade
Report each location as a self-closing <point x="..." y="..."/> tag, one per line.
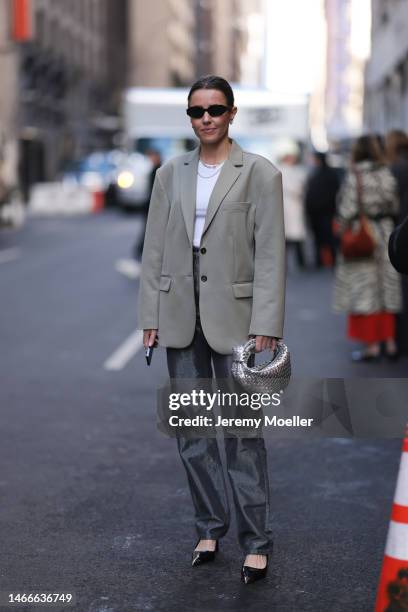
<point x="251" y="44"/>
<point x="8" y="98"/>
<point x="337" y="102"/>
<point x="348" y="28"/>
<point x="161" y="49"/>
<point x="66" y="67"/>
<point x="192" y="38"/>
<point x="386" y="78"/>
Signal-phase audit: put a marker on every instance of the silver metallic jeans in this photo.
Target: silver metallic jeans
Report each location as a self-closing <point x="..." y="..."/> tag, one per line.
<point x="245" y="457"/>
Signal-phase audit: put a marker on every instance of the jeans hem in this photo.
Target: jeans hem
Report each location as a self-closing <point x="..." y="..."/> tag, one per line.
<point x="210" y="536"/>
<point x="268" y="551"/>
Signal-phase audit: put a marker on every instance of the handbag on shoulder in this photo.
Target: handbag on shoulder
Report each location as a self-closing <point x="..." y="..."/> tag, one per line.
<point x="360" y="243"/>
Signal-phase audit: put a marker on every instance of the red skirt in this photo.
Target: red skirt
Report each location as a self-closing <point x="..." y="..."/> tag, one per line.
<point x="374" y="327"/>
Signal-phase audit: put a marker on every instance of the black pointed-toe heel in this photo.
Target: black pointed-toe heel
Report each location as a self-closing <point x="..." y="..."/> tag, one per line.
<point x="252" y="574"/>
<point x="203" y="556"/>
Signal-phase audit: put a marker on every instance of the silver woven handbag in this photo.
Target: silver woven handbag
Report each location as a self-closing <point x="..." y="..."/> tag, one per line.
<point x="268" y="377"/>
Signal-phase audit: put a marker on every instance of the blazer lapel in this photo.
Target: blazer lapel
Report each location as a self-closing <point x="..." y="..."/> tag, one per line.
<point x="230" y="172"/>
<point x="188" y="191"/>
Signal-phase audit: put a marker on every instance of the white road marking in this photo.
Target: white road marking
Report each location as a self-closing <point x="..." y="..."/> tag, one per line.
<point x="7" y="255"/>
<point x="128" y="267"/>
<point x="101" y="605"/>
<point x="125" y="352"/>
<point x="127" y="542"/>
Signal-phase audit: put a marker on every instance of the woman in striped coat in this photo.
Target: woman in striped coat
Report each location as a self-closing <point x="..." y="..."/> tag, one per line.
<point x="369" y="289"/>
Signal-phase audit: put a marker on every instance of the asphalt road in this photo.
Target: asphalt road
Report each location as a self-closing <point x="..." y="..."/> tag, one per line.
<point x="94" y="500"/>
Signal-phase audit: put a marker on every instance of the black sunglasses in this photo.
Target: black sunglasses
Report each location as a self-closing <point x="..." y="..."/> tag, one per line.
<point x="215" y="110"/>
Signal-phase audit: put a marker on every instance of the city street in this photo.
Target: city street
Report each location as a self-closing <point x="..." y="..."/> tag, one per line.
<point x="95" y="499"/>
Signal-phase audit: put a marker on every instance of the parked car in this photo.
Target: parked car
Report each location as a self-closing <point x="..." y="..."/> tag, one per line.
<point x="97" y="170"/>
<point x="132" y="184"/>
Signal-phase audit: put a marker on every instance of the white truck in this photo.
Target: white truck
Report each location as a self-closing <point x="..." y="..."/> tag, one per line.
<point x="156" y="119"/>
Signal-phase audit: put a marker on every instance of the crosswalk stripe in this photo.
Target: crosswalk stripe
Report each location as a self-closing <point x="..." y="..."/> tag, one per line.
<point x="128" y="267"/>
<point x="7" y="255"/>
<point x="125" y="351"/>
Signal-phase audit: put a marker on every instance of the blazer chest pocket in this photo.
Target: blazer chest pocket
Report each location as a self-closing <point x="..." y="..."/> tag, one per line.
<point x="242" y="290"/>
<point x="165" y="282"/>
<point x="240" y="206"/>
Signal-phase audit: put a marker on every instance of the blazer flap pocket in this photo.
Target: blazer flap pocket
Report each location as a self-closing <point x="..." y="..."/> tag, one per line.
<point x="165" y="282"/>
<point x="242" y="290"/>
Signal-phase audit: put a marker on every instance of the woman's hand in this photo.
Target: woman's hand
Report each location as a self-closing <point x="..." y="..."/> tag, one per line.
<point x="150" y="337"/>
<point x="265" y="342"/>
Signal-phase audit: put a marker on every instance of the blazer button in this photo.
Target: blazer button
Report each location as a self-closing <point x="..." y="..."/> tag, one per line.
<point x="203" y="250"/>
<point x="204" y="278"/>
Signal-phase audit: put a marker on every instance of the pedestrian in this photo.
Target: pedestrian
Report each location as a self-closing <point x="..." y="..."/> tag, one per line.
<point x="396" y="147"/>
<point x="320" y="203"/>
<point x="398" y="247"/>
<point x="396" y="143"/>
<point x="213" y="274"/>
<point x="379" y="144"/>
<point x="156" y="160"/>
<point x="4" y="189"/>
<point x="294" y="179"/>
<point x="368" y="289"/>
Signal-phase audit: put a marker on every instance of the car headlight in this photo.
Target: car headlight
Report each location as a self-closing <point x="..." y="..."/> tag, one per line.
<point x="125" y="179"/>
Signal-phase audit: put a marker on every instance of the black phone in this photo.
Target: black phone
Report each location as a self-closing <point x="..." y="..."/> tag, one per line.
<point x="149" y="354"/>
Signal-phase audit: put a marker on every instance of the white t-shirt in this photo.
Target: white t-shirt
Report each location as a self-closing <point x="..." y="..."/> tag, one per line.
<point x="204" y="190"/>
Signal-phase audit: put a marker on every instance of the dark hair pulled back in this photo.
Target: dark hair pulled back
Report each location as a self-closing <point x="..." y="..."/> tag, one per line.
<point x="211" y="81"/>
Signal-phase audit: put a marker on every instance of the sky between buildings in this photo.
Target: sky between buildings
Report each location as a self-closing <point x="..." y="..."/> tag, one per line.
<point x="296" y="41"/>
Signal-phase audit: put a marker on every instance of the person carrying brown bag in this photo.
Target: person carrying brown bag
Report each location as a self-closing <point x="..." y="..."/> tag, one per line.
<point x="367" y="287"/>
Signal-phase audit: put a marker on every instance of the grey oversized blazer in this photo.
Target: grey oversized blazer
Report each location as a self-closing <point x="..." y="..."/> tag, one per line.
<point x="242" y="253"/>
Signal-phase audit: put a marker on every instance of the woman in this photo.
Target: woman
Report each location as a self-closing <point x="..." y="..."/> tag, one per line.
<point x="320" y="202"/>
<point x="213" y="274"/>
<point x="294" y="179"/>
<point x="398" y="247"/>
<point x="369" y="289"/>
<point x="396" y="148"/>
